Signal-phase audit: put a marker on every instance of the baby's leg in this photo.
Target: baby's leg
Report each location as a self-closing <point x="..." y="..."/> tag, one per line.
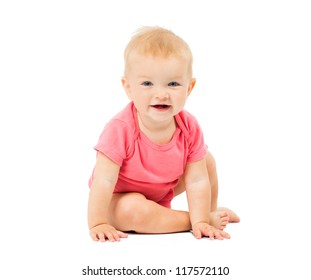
<point x="132" y="211"/>
<point x="219" y="216"/>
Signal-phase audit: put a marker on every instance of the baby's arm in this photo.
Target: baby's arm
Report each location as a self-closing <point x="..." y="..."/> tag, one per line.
<point x="198" y="190"/>
<point x="105" y="177"/>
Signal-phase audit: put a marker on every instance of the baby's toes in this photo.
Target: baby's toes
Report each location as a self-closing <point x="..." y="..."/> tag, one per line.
<point x="224" y="221"/>
<point x="222" y="226"/>
<point x="224" y="216"/>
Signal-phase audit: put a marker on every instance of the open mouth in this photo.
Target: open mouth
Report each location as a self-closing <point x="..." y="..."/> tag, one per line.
<point x="161" y="106"/>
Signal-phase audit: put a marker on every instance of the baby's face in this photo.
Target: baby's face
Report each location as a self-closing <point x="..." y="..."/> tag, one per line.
<point x="158" y="86"/>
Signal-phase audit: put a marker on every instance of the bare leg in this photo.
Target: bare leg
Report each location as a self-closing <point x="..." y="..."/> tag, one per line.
<point x="132" y="211"/>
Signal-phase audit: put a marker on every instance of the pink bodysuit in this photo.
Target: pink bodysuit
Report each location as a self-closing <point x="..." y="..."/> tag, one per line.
<point x="145" y="167"/>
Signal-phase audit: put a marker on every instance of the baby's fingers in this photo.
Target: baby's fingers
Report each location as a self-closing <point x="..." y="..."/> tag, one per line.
<point x="94" y="236"/>
<point x="218" y="235"/>
<point x="122" y="234"/>
<point x="204" y="229"/>
<point x="112" y="236"/>
<point x="105" y="232"/>
<point x="116" y="235"/>
<point x="224" y="234"/>
<point x="101" y="236"/>
<point x="210" y="232"/>
<point x="197" y="233"/>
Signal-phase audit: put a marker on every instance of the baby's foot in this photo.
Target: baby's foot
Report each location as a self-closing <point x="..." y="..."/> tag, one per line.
<point x="219" y="219"/>
<point x="233" y="218"/>
<point x="222" y="216"/>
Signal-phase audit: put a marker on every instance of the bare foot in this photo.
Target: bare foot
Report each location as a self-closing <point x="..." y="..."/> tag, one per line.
<point x="222" y="216"/>
<point x="219" y="219"/>
<point x="233" y="218"/>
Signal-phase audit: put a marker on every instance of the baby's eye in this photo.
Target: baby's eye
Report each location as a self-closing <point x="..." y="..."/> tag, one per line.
<point x="147" y="84"/>
<point x="173" y="84"/>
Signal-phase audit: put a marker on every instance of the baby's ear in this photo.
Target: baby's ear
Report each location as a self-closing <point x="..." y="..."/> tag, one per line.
<point x="126" y="87"/>
<point x="191" y="85"/>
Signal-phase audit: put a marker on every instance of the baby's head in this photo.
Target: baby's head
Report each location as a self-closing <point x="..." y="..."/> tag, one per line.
<point x="158" y="74"/>
<point x="157" y="42"/>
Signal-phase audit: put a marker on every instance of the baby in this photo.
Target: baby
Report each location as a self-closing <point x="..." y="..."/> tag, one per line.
<point x="153" y="150"/>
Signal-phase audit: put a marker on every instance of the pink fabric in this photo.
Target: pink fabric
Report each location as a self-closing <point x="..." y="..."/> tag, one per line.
<point x="146" y="167"/>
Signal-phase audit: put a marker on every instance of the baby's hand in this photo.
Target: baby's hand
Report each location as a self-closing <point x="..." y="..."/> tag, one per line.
<point x="104" y="231"/>
<point x="204" y="229"/>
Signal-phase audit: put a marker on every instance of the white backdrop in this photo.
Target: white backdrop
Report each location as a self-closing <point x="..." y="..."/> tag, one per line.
<point x="60" y="66"/>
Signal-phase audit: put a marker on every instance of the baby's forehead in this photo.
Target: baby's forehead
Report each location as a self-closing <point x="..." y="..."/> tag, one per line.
<point x="155" y="56"/>
<point x="139" y="59"/>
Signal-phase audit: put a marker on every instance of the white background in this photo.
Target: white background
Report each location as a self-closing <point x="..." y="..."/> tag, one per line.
<point x="60" y="69"/>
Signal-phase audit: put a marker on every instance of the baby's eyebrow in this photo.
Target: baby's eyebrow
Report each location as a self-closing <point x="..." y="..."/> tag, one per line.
<point x="176" y="76"/>
<point x="144" y="77"/>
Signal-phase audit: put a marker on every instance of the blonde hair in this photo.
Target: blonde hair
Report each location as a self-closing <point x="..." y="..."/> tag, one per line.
<point x="157" y="41"/>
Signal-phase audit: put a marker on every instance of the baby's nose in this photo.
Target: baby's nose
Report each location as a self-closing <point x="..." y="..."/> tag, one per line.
<point x="162" y="94"/>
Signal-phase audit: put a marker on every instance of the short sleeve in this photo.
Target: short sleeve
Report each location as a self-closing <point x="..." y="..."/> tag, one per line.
<point x="196" y="146"/>
<point x="115" y="141"/>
